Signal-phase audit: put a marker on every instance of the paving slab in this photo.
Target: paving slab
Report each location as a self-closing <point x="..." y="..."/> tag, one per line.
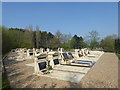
<point x="72" y="68"/>
<point x="68" y="76"/>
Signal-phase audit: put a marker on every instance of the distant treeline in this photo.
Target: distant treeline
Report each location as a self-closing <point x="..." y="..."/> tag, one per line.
<point x="117" y="44"/>
<point x="29" y="38"/>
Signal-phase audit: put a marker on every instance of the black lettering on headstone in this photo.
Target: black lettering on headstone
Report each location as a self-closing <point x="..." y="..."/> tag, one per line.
<point x="42" y="65"/>
<point x="56" y="61"/>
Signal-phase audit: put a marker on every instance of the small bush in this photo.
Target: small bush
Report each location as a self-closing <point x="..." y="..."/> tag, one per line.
<point x="47" y="72"/>
<point x="5" y="82"/>
<point x="49" y="68"/>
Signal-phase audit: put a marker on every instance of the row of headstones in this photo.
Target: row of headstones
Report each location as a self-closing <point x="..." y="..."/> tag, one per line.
<point x="81" y="52"/>
<point x="37" y="52"/>
<point x="30" y="53"/>
<point x="51" y="60"/>
<point x="42" y="50"/>
<point x="50" y="56"/>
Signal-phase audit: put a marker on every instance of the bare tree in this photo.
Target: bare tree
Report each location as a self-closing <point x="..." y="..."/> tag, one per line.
<point x="92" y="39"/>
<point x="37" y="27"/>
<point x="29" y="27"/>
<point x="37" y="36"/>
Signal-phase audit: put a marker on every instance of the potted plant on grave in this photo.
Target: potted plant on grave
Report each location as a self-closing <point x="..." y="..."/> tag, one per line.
<point x="48" y="68"/>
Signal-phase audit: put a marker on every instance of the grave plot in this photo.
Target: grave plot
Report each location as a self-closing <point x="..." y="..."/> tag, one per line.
<point x="67" y="68"/>
<point x="68" y="76"/>
<point x="63" y="72"/>
<point x="96" y="58"/>
<point x="69" y="73"/>
<point x="68" y="59"/>
<point x="40" y="66"/>
<point x="72" y="69"/>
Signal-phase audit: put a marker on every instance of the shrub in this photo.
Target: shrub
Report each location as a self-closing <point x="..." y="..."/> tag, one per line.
<point x="49" y="67"/>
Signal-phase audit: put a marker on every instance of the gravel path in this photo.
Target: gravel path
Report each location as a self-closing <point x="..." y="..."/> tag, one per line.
<point x="103" y="74"/>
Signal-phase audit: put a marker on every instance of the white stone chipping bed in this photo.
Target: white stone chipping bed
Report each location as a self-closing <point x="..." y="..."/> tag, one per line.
<point x="72" y="68"/>
<point x="31" y="64"/>
<point x="68" y="76"/>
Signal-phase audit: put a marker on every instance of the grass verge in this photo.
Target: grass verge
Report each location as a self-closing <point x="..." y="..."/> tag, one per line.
<point x="118" y="56"/>
<point x="5" y="82"/>
<point x="4" y="79"/>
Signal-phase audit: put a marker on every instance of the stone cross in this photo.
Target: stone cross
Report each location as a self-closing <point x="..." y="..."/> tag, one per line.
<point x="50" y="58"/>
<point x="48" y="49"/>
<point x="76" y="53"/>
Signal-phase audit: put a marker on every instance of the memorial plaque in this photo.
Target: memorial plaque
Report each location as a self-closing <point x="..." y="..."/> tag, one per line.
<point x="65" y="56"/>
<point x="56" y="61"/>
<point x="42" y="65"/>
<point x="31" y="54"/>
<point x="70" y="54"/>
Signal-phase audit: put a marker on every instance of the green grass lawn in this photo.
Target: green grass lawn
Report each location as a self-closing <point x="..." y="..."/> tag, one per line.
<point x="0" y="82"/>
<point x="5" y="82"/>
